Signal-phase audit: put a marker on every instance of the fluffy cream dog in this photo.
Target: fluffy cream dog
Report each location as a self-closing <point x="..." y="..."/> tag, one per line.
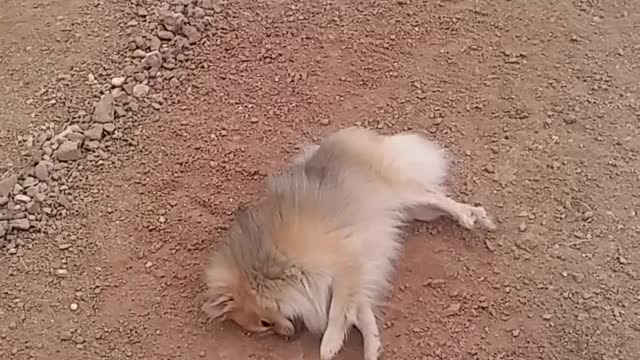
<point x="319" y="249"/>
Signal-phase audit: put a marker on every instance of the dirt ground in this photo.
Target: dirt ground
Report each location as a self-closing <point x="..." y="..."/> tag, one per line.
<point x="538" y="102"/>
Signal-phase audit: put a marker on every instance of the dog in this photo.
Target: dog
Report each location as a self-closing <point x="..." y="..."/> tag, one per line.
<point x="319" y="249"/>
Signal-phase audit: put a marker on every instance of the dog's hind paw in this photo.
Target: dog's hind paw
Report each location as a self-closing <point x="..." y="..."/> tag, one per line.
<point x="484" y="219"/>
<point x="476" y="215"/>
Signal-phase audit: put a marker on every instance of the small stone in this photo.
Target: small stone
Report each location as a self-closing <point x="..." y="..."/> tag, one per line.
<point x="20" y="224"/>
<point x="109" y="127"/>
<point x="41" y="171"/>
<point x="64" y="246"/>
<point x="22" y="198"/>
<point x="191" y="33"/>
<point x="490" y="245"/>
<point x="103" y="112"/>
<point x="140" y="90"/>
<point x="155" y="43"/>
<point x="29" y="182"/>
<point x="169" y="65"/>
<point x="73" y="307"/>
<point x="92" y="145"/>
<point x="588" y="215"/>
<point x="174" y="83"/>
<point x="172" y="21"/>
<point x="165" y="35"/>
<point x="94" y="132"/>
<point x="62" y="273"/>
<point x="6" y="185"/>
<point x="139" y="54"/>
<point x="578" y="277"/>
<point x="546" y="317"/>
<point x="570" y="119"/>
<point x="515" y="333"/>
<point x="77" y="137"/>
<point x="196" y="13"/>
<point x="65" y="336"/>
<point x="207" y="4"/>
<point x="452" y="310"/>
<point x="522" y="227"/>
<point x="33" y="207"/>
<point x="118" y="81"/>
<point x="152" y="60"/>
<point x="4" y="228"/>
<point x="148" y="264"/>
<point x="40" y="197"/>
<point x="68" y="151"/>
<point x="324" y="122"/>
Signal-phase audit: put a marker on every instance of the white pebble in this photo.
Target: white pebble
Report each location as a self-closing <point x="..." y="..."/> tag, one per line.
<point x="118" y="81"/>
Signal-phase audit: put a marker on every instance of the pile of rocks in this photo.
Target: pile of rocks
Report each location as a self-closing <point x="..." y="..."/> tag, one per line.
<point x="29" y="201"/>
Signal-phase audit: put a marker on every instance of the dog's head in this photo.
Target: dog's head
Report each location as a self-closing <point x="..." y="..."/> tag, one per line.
<point x="240" y="279"/>
<point x="231" y="297"/>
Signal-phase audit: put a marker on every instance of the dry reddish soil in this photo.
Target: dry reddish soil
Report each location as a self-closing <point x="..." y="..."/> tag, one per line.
<point x="538" y="102"/>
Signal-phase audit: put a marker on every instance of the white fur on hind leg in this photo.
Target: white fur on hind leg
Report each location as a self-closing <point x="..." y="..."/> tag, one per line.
<point x="424" y="213"/>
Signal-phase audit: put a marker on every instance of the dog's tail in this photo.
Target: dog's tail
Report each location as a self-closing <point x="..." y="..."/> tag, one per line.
<point x="413" y="158"/>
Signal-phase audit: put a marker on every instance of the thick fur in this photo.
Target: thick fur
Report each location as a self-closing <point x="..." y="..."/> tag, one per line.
<point x="319" y="249"/>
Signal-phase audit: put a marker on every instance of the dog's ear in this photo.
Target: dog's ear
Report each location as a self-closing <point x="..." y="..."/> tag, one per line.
<point x="218" y="307"/>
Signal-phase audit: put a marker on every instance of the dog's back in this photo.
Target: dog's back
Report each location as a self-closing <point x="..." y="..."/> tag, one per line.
<point x="401" y="160"/>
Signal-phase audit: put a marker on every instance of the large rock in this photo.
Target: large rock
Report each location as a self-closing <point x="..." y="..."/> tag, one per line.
<point x="104" y="112"/>
<point x="6" y="185"/>
<point x="68" y="151"/>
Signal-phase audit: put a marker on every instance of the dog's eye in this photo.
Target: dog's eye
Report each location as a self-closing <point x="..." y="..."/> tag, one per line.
<point x="266" y="323"/>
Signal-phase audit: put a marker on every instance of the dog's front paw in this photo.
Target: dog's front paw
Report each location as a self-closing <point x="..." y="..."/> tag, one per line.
<point x="372" y="349"/>
<point x="331" y="344"/>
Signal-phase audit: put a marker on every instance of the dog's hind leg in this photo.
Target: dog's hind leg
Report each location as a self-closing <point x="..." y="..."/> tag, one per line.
<point x="366" y="323"/>
<point x="433" y="201"/>
<point x="424" y="213"/>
